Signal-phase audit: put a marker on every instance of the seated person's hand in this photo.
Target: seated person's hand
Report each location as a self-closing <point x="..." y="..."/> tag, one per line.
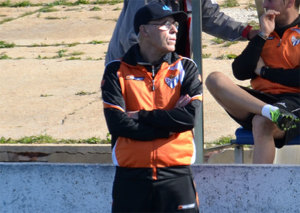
<point x="183" y="101"/>
<point x="259" y="65"/>
<point x="133" y="114"/>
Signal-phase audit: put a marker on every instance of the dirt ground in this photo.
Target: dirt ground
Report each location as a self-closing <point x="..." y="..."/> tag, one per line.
<point x="49" y="82"/>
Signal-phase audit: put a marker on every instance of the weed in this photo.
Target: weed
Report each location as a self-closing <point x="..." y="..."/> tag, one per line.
<point x="22" y="4"/>
<point x="229" y="43"/>
<point x="76" y="53"/>
<point x="81" y="93"/>
<point x="95" y="9"/>
<point x="96" y="42"/>
<point x="73" y="58"/>
<point x="206" y="55"/>
<point x="96" y="17"/>
<point x="230" y="3"/>
<point x="116" y="9"/>
<point x="4" y="56"/>
<point x="73" y="44"/>
<point x="111" y="2"/>
<point x="55" y="18"/>
<point x="45" y="139"/>
<point x="45" y="95"/>
<point x="81" y="2"/>
<point x="5" y="3"/>
<point x="3" y="44"/>
<point x="254" y="24"/>
<point x="6" y="20"/>
<point x="228" y="56"/>
<point x="61" y="53"/>
<point x="217" y="40"/>
<point x="47" y="9"/>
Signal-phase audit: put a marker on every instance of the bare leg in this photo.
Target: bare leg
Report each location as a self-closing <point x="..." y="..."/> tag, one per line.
<point x="240" y="104"/>
<point x="264" y="132"/>
<point x="231" y="97"/>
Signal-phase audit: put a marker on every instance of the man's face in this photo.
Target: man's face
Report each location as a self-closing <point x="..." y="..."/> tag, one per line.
<point x="278" y="5"/>
<point x="162" y="34"/>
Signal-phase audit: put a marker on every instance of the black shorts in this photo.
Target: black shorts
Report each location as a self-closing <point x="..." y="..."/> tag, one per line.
<point x="288" y="101"/>
<point x="133" y="191"/>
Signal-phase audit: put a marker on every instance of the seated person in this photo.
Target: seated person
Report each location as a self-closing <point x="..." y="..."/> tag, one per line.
<point x="272" y="61"/>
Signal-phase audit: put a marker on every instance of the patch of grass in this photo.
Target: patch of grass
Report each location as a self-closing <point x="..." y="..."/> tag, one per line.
<point x="5" y="3"/>
<point x="22" y="4"/>
<point x="45" y="95"/>
<point x="81" y="2"/>
<point x="96" y="17"/>
<point x="116" y="9"/>
<point x="55" y="18"/>
<point x="255" y="25"/>
<point x="217" y="40"/>
<point x="4" y="57"/>
<point x="61" y="53"/>
<point x="44" y="139"/>
<point x="27" y="14"/>
<point x="60" y="2"/>
<point x="229" y="43"/>
<point x="206" y="55"/>
<point x="73" y="58"/>
<point x="47" y="9"/>
<point x="95" y="9"/>
<point x="76" y="53"/>
<point x="81" y="93"/>
<point x="224" y="140"/>
<point x="227" y="56"/>
<point x="3" y="44"/>
<point x="230" y="3"/>
<point x="73" y="44"/>
<point x="251" y="5"/>
<point x="6" y="20"/>
<point x="110" y="2"/>
<point x="95" y="42"/>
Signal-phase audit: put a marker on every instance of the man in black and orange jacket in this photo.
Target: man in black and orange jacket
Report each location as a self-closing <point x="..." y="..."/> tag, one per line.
<point x="150" y="98"/>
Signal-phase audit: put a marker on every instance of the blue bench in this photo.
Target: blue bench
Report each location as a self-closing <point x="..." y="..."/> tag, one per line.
<point x="245" y="137"/>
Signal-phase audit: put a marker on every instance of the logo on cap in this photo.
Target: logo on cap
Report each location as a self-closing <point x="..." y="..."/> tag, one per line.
<point x="165" y="7"/>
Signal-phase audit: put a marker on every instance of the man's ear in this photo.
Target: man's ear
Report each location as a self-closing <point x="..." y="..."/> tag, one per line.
<point x="143" y="30"/>
<point x="290" y="3"/>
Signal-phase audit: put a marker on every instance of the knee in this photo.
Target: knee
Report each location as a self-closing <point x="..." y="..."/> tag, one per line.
<point x="262" y="125"/>
<point x="214" y="80"/>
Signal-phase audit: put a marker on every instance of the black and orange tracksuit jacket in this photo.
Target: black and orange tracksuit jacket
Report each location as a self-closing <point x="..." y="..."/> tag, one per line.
<point x="162" y="137"/>
<point x="281" y="54"/>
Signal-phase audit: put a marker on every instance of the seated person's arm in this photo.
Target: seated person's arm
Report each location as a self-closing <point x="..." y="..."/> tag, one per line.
<point x="244" y="65"/>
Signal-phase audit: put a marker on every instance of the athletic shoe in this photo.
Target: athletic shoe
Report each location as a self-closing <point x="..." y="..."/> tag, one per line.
<point x="284" y="119"/>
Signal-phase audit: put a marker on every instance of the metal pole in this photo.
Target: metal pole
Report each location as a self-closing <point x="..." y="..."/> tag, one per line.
<point x="197" y="57"/>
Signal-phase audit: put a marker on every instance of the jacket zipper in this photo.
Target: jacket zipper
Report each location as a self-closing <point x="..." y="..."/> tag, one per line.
<point x="153" y="80"/>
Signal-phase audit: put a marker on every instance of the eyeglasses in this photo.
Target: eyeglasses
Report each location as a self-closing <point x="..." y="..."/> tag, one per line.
<point x="167" y="25"/>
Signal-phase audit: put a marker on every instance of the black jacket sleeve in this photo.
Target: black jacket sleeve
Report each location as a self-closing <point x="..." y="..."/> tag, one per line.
<point x="244" y="65"/>
<point x="182" y="118"/>
<point x="118" y="123"/>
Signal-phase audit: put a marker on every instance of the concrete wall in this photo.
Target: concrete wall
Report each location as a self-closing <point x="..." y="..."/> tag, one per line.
<point x="45" y="187"/>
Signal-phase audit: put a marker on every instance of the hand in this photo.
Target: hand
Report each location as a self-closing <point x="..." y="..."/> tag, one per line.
<point x="183" y="101"/>
<point x="267" y="21"/>
<point x="133" y="114"/>
<point x="259" y="65"/>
